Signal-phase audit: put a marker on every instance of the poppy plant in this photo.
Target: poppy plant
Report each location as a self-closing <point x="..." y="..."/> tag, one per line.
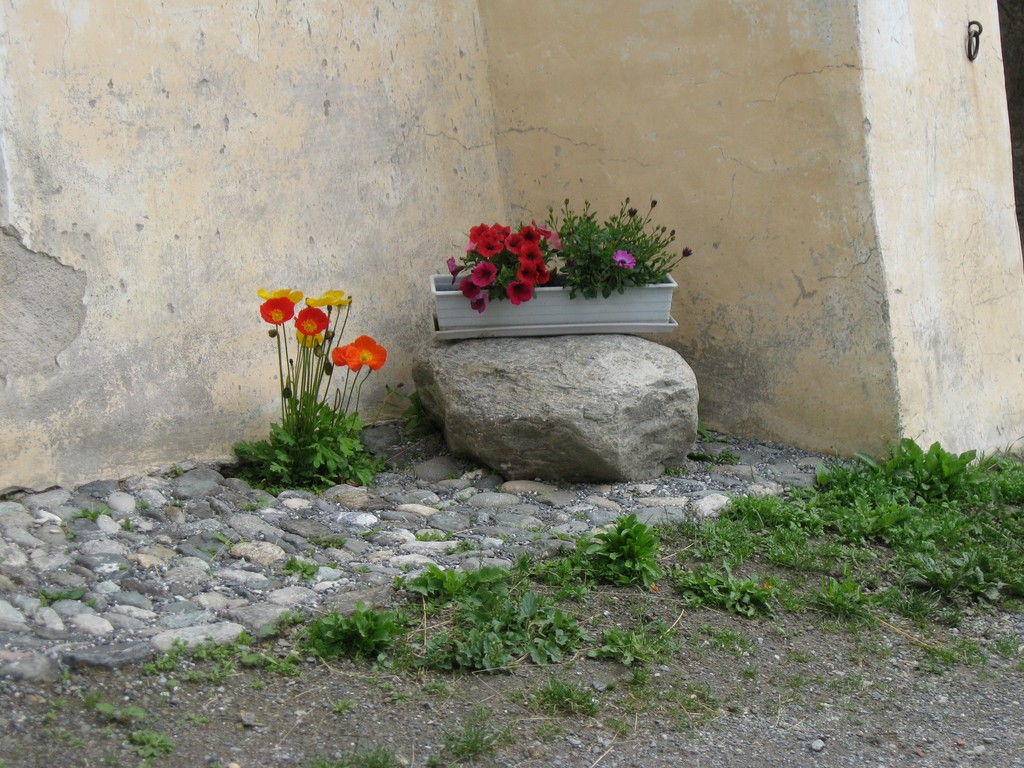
<point x="317" y="442"/>
<point x="305" y="376"/>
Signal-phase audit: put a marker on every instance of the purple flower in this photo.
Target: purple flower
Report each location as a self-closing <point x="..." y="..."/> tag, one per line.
<point x="454" y="268"/>
<point x="479" y="303"/>
<point x="624" y="259"/>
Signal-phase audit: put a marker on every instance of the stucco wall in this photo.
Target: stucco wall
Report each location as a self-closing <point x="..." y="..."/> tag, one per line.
<point x="160" y="161"/>
<point x="841" y="171"/>
<point x="744" y="120"/>
<point x="942" y="192"/>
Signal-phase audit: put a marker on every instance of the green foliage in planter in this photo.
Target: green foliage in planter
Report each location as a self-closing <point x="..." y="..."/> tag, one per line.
<point x="589" y="263"/>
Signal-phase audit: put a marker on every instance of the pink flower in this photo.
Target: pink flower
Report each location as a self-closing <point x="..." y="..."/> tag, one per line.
<point x="624" y="259"/>
<point x="552" y="238"/>
<point x="469" y="289"/>
<point x="484" y="274"/>
<point x="479" y="303"/>
<point x="454" y="268"/>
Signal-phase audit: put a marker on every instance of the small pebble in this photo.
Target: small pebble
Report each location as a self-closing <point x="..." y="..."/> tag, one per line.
<point x="817" y="745"/>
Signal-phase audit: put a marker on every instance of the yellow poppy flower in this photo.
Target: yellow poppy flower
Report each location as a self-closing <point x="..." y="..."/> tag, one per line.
<point x="330" y="299"/>
<point x="282" y="293"/>
<point x="309" y="341"/>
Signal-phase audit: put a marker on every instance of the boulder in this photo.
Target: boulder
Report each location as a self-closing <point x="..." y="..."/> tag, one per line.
<point x="572" y="408"/>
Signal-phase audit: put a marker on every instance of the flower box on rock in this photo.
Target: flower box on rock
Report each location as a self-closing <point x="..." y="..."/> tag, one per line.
<point x="639" y="309"/>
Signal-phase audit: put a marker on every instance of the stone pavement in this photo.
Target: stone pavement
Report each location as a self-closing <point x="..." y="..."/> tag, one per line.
<point x="116" y="571"/>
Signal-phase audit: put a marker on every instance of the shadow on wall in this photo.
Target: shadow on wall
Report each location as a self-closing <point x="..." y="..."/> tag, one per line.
<point x="1011" y="24"/>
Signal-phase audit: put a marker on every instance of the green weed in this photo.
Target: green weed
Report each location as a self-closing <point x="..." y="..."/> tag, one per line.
<point x="624" y="555"/>
<point x="476" y="738"/>
<point x="301" y="568"/>
<point x="147" y="743"/>
<point x="368" y="757"/>
<point x="556" y="697"/>
<point x="841" y="600"/>
<point x="343" y="707"/>
<point x="92" y="514"/>
<point x="367" y="633"/>
<point x="649" y="644"/>
<point x="49" y="597"/>
<point x="742" y="596"/>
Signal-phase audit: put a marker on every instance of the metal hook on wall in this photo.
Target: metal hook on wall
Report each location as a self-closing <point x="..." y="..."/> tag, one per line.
<point x="973" y="39"/>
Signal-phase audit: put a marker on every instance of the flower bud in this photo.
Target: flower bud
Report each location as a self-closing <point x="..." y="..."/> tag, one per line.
<point x="687" y="252"/>
<point x="653" y="203"/>
<point x="286" y="392"/>
<point x="329" y="335"/>
<point x="272" y="333"/>
<point x="328" y="367"/>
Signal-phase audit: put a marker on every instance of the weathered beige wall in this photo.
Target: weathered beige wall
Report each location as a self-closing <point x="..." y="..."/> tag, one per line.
<point x="160" y="161"/>
<point x="942" y="192"/>
<point x="840" y="169"/>
<point x="744" y="120"/>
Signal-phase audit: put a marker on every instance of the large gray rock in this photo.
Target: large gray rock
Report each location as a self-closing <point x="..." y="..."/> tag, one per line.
<point x="573" y="408"/>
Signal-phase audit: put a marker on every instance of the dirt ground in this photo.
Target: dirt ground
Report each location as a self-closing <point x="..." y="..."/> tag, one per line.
<point x="797" y="689"/>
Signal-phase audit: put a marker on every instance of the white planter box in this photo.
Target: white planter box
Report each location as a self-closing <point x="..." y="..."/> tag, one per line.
<point x="645" y="309"/>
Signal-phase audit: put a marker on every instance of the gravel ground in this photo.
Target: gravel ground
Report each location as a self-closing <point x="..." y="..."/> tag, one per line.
<point x="737" y="693"/>
<point x="794" y="689"/>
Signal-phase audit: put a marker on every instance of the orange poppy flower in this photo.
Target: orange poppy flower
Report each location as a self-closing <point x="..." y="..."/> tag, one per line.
<point x="362" y="351"/>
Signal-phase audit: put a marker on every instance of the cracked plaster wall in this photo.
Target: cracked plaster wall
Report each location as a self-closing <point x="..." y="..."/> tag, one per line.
<point x="744" y="120"/>
<point x="942" y="192"/>
<point x="161" y="161"/>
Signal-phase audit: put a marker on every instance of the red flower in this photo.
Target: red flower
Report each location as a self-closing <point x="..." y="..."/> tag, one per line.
<point x="519" y="291"/>
<point x="531" y="235"/>
<point x="528" y="271"/>
<point x="514" y="243"/>
<point x="475" y="233"/>
<point x="489" y="245"/>
<point x="312" y="321"/>
<point x="500" y="230"/>
<point x="484" y="274"/>
<point x="278" y="311"/>
<point x="543" y="275"/>
<point x="469" y="289"/>
<point x="362" y="351"/>
<point x="531" y="250"/>
<point x="479" y="303"/>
